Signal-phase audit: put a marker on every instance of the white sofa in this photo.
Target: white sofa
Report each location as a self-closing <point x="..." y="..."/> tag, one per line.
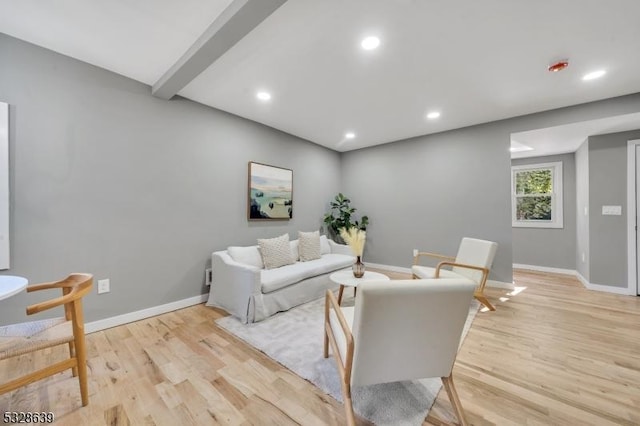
<point x="241" y="286"/>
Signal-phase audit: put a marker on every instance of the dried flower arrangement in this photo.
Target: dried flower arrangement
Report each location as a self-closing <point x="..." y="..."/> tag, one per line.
<point x="355" y="239"/>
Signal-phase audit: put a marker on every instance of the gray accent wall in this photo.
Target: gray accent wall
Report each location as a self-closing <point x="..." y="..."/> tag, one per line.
<point x="430" y="191"/>
<point x="550" y="247"/>
<point x="107" y="179"/>
<point x="582" y="210"/>
<point x="608" y="186"/>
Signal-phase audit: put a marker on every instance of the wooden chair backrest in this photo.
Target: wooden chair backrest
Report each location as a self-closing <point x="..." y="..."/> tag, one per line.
<point x="408" y="329"/>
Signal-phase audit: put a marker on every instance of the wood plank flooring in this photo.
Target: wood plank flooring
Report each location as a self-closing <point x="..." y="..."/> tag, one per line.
<point x="552" y="353"/>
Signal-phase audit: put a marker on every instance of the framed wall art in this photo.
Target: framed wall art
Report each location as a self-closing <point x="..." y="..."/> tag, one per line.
<point x="270" y="194"/>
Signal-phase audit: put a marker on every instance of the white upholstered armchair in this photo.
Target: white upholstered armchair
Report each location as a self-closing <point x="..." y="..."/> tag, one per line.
<point x="398" y="330"/>
<point x="473" y="262"/>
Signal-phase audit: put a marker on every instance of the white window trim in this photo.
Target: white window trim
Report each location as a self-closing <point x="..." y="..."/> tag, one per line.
<point x="556" y="197"/>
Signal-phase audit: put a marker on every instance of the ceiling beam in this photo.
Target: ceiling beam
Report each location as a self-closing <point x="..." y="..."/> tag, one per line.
<point x="234" y="23"/>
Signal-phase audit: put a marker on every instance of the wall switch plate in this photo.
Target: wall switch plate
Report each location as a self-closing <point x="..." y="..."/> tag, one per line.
<point x="415" y="252"/>
<point x="104" y="286"/>
<point x="611" y="210"/>
<point x="583" y="257"/>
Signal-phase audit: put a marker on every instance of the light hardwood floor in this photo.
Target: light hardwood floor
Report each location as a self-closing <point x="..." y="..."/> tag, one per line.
<point x="552" y="353"/>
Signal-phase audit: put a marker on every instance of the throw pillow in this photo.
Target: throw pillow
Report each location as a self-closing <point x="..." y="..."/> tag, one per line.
<point x="294" y="250"/>
<point x="325" y="248"/>
<point x="309" y="246"/>
<point x="276" y="252"/>
<point x="247" y="255"/>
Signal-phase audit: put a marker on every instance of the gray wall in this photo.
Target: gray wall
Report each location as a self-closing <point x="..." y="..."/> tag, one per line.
<point x="109" y="180"/>
<point x="428" y="192"/>
<point x="431" y="191"/>
<point x="608" y="186"/>
<point x="550" y="247"/>
<point x="582" y="210"/>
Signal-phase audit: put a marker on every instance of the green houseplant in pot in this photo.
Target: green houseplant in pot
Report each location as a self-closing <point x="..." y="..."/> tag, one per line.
<point x="340" y="217"/>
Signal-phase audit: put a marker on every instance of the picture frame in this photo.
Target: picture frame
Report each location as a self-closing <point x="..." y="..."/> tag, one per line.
<point x="270" y="192"/>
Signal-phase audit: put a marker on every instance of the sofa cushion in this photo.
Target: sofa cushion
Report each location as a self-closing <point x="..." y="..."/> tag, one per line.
<point x="294" y="249"/>
<point x="276" y="252"/>
<point x="309" y="246"/>
<point x="247" y="255"/>
<point x="274" y="279"/>
<point x="325" y="248"/>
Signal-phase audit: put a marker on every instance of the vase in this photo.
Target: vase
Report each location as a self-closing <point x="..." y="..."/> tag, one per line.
<point x="358" y="268"/>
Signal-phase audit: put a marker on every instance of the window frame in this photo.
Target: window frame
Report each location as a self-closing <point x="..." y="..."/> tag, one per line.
<point x="556" y="196"/>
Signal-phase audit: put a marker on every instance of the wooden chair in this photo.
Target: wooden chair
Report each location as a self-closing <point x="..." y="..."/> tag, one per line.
<point x="398" y="330"/>
<point x="473" y="261"/>
<point x="24" y="338"/>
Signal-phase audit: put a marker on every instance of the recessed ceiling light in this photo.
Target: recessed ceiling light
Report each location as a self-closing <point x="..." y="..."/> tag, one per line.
<point x="263" y="96"/>
<point x="433" y="115"/>
<point x="349" y="135"/>
<point x="593" y="75"/>
<point x="519" y="147"/>
<point x="370" y="43"/>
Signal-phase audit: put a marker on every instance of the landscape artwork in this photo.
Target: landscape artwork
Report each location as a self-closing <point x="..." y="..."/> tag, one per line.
<point x="270" y="192"/>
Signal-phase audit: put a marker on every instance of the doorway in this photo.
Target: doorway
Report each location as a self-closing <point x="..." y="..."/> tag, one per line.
<point x="633" y="207"/>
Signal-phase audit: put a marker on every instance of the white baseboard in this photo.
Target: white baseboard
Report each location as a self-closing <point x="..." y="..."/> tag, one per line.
<point x="582" y="279"/>
<point x="501" y="284"/>
<point x="609" y="289"/>
<point x="490" y="283"/>
<point x="578" y="275"/>
<point x="103" y="324"/>
<point x="389" y="267"/>
<point x="545" y="269"/>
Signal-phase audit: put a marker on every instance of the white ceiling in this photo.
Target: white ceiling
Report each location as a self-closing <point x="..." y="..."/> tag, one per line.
<point x="475" y="61"/>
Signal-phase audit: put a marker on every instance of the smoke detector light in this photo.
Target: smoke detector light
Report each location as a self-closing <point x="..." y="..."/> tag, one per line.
<point x="558" y="66"/>
<point x="593" y="75"/>
<point x="370" y="43"/>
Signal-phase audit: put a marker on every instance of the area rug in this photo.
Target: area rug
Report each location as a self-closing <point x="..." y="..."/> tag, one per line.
<point x="295" y="338"/>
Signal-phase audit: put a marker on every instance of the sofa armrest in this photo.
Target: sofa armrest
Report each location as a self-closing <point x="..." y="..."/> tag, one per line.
<point x="340" y="248"/>
<point x="233" y="285"/>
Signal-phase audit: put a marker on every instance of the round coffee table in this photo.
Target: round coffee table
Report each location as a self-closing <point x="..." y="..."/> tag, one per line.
<point x="10" y="285"/>
<point x="346" y="279"/>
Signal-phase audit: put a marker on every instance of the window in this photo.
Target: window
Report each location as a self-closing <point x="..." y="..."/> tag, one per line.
<point x="536" y="195"/>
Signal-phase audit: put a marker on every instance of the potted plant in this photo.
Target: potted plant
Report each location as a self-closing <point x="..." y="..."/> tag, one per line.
<point x="339" y="217"/>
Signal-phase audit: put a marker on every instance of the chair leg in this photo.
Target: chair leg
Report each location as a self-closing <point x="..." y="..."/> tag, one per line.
<point x="72" y="354"/>
<point x="454" y="399"/>
<point x="348" y="405"/>
<point x="340" y="291"/>
<point x="325" y="352"/>
<point x="483" y="299"/>
<point x="81" y="352"/>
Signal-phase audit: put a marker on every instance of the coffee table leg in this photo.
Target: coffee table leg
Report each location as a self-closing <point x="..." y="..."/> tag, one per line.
<point x="340" y="294"/>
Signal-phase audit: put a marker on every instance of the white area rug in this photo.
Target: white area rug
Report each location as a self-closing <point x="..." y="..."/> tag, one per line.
<point x="295" y="338"/>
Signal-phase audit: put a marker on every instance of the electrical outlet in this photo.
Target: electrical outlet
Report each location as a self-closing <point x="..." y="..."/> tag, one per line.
<point x="104" y="286"/>
<point x="415" y="252"/>
<point x="208" y="276"/>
